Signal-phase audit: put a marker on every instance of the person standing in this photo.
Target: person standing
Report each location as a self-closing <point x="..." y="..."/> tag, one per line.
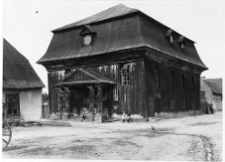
<point x="124" y="116"/>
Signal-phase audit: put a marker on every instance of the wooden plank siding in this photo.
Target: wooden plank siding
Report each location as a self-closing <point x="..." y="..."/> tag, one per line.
<point x="183" y="98"/>
<point x="140" y="96"/>
<point x="130" y="97"/>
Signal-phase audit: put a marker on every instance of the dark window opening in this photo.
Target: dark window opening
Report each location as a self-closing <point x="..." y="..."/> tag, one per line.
<point x="183" y="82"/>
<point x="156" y="78"/>
<point x="12" y="101"/>
<point x="183" y="106"/>
<point x="172" y="80"/>
<point x="192" y="105"/>
<point x="172" y="104"/>
<point x="192" y="84"/>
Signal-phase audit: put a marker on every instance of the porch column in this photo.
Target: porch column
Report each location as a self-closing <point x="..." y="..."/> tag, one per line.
<point x="100" y="104"/>
<point x="91" y="103"/>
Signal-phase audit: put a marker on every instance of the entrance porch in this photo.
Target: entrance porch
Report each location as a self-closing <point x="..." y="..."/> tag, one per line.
<point x="86" y="96"/>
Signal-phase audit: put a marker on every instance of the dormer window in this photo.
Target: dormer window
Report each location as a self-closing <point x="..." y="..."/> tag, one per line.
<point x="169" y="36"/>
<point x="88" y="35"/>
<point x="171" y="39"/>
<point x="181" y="45"/>
<point x="181" y="42"/>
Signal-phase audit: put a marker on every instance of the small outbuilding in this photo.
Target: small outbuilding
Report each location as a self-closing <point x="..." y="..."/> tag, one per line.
<point x="215" y="85"/>
<point x="22" y="88"/>
<point x="206" y="96"/>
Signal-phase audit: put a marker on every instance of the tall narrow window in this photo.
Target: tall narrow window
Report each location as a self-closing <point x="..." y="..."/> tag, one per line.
<point x="183" y="82"/>
<point x="172" y="80"/>
<point x="126" y="74"/>
<point x="192" y="84"/>
<point x="156" y="77"/>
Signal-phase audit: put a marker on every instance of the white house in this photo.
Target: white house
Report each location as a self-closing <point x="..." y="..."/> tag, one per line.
<point x="22" y="88"/>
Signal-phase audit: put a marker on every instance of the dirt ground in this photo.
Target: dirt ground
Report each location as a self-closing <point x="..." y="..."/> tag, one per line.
<point x="183" y="139"/>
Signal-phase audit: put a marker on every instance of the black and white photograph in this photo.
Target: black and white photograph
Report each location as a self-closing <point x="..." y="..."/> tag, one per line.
<point x="112" y="80"/>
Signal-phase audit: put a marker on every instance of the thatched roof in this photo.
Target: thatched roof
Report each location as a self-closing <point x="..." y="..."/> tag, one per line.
<point x="215" y="84"/>
<point x="117" y="29"/>
<point x="17" y="71"/>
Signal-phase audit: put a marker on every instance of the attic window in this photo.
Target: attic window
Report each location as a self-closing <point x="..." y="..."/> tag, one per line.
<point x="171" y="39"/>
<point x="169" y="36"/>
<point x="88" y="34"/>
<point x="181" y="42"/>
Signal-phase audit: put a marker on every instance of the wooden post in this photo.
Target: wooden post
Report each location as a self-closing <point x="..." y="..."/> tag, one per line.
<point x="91" y="103"/>
<point x="100" y="104"/>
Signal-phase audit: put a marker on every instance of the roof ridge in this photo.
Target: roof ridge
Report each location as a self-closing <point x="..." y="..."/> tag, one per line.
<point x="112" y="12"/>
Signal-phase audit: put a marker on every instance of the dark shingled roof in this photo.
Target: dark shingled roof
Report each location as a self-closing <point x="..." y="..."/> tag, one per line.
<point x="92" y="78"/>
<point x="215" y="85"/>
<point x="17" y="71"/>
<point x="118" y="28"/>
<point x="112" y="12"/>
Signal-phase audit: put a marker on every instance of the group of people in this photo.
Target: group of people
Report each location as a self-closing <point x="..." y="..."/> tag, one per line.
<point x="126" y="117"/>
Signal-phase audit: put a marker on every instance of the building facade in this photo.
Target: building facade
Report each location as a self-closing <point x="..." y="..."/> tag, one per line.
<point x="22" y="88"/>
<point x="215" y="85"/>
<point x="121" y="60"/>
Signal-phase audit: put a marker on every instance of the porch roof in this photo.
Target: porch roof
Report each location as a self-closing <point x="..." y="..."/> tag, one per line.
<point x="82" y="77"/>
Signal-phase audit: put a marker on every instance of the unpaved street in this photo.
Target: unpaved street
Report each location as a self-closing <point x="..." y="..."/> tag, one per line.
<point x="189" y="138"/>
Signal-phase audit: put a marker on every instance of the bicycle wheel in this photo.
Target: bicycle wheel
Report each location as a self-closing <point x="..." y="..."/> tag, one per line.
<point x="6" y="134"/>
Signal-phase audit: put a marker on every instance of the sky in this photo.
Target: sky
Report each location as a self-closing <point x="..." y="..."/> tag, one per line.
<point x="27" y="25"/>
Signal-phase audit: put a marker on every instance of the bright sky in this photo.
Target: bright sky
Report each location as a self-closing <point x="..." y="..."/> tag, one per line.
<point x="27" y="25"/>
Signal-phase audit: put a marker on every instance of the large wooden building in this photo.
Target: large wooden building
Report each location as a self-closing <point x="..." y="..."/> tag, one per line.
<point x="121" y="59"/>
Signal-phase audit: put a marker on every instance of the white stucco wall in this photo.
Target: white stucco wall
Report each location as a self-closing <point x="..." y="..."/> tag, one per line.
<point x="30" y="104"/>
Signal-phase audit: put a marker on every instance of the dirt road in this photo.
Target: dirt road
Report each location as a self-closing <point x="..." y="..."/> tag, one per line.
<point x="189" y="138"/>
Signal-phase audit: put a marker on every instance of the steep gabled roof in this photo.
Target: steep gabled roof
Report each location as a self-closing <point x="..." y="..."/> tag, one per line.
<point x="82" y="77"/>
<point x="215" y="85"/>
<point x="17" y="71"/>
<point x="118" y="33"/>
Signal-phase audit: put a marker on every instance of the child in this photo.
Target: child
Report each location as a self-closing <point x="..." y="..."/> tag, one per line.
<point x="124" y="116"/>
<point x="83" y="115"/>
<point x="129" y="117"/>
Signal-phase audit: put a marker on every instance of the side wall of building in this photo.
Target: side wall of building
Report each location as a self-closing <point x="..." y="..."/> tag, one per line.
<point x="170" y="89"/>
<point x="30" y="103"/>
<point x="218" y="100"/>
